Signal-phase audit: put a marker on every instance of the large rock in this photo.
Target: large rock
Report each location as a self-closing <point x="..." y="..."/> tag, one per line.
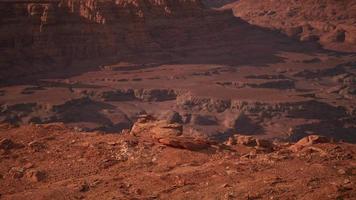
<point x="312" y="139"/>
<point x="189" y="143"/>
<point x="170" y="134"/>
<point x="309" y="141"/>
<point x="143" y="125"/>
<point x="147" y="125"/>
<point x="163" y="130"/>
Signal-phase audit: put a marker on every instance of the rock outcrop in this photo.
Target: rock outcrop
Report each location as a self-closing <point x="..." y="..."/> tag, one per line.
<point x="330" y="22"/>
<point x="170" y="134"/>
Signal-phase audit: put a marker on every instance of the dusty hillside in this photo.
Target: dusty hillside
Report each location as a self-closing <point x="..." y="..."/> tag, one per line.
<point x="53" y="162"/>
<point x="331" y="22"/>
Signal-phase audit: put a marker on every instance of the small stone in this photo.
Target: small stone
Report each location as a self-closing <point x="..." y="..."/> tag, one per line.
<point x="341" y="171"/>
<point x="230" y="142"/>
<point x="28" y="166"/>
<point x="36" y="146"/>
<point x="225" y="185"/>
<point x="36" y="175"/>
<point x="264" y="143"/>
<point x="229" y="195"/>
<point x="113" y="143"/>
<point x="246" y="140"/>
<point x="343" y="188"/>
<point x="347" y="181"/>
<point x="7" y="144"/>
<point x="84" y="187"/>
<point x="138" y="191"/>
<point x="16" y="172"/>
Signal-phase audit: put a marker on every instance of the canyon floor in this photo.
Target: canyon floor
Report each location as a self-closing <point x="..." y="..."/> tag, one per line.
<point x="265" y="85"/>
<point x="67" y="133"/>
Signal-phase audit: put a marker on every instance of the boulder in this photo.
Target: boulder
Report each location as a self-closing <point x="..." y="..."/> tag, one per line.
<point x="308" y="141"/>
<point x="313" y="139"/>
<point x="166" y="130"/>
<point x="142" y="126"/>
<point x="147" y="126"/>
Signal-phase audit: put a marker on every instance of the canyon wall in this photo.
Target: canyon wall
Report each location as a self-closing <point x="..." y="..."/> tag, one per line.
<point x="39" y="35"/>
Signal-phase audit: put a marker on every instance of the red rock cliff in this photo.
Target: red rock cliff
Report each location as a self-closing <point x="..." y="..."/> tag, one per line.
<point x="37" y="35"/>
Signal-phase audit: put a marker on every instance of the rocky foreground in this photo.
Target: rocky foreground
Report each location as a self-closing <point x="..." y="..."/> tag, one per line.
<point x="97" y="65"/>
<point x="154" y="160"/>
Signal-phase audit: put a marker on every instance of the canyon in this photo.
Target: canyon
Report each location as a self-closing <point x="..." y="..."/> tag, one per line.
<point x="104" y="94"/>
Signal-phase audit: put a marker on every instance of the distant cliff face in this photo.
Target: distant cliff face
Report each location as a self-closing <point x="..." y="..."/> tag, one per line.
<point x="37" y="36"/>
<point x="330" y="22"/>
<point x="111" y="11"/>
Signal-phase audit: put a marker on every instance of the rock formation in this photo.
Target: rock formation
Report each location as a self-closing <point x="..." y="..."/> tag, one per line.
<point x="330" y="22"/>
<point x="41" y="35"/>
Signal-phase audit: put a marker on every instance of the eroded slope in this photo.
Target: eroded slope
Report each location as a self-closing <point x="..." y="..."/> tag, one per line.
<point x="330" y="22"/>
